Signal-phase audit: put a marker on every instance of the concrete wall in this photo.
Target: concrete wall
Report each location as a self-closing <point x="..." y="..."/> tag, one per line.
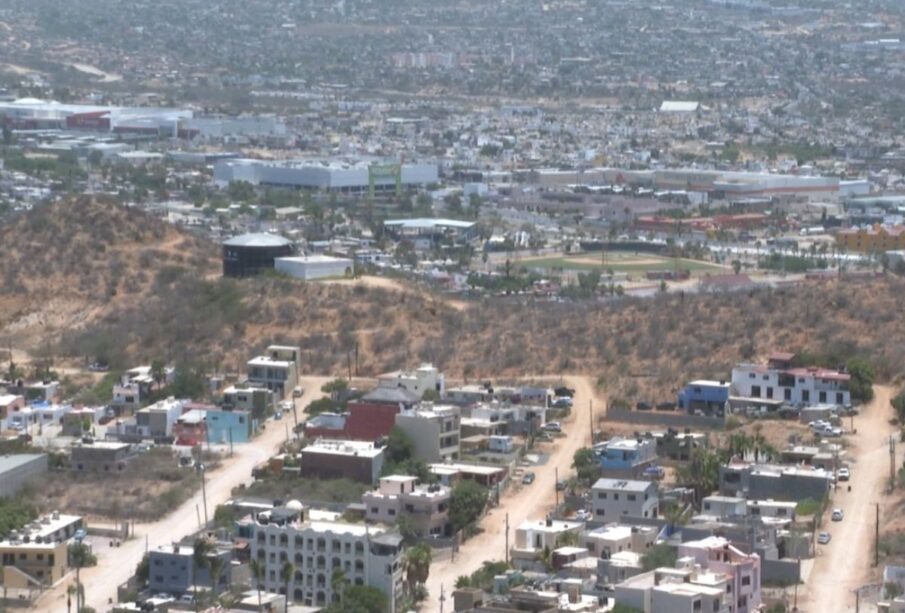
<point x="780" y="571"/>
<point x="660" y="418"/>
<point x="14" y="479"/>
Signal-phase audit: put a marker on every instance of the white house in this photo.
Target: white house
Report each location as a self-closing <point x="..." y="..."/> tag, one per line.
<point x="612" y="499"/>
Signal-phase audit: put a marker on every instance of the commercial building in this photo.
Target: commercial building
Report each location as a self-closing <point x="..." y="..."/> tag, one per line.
<point x="313" y="267"/>
<point x="276" y="370"/>
<point x="172" y="569"/>
<point x="18" y="470"/>
<point x="100" y="457"/>
<point x="250" y="254"/>
<point x="346" y="176"/>
<point x="37" y="555"/>
<point x="356" y="460"/>
<point x="434" y="431"/>
<point x="872" y="240"/>
<point x="619" y="499"/>
<point x="317" y="543"/>
<point x="34" y="114"/>
<point x="425" y="506"/>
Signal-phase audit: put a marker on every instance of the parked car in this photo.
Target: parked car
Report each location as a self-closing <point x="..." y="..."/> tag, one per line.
<point x="563" y="402"/>
<point x="278" y="415"/>
<point x="528" y="478"/>
<point x="560" y="485"/>
<point x="552" y="426"/>
<point x="823" y="538"/>
<point x="654" y="472"/>
<point x="298" y="391"/>
<point x="582" y="515"/>
<point x="838" y="515"/>
<point x="843" y="474"/>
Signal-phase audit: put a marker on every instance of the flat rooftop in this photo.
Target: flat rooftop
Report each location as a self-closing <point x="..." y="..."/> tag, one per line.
<point x="11" y="462"/>
<point x="347" y="448"/>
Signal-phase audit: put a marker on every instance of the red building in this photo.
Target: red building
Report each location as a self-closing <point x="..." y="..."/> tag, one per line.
<point x="364" y="421"/>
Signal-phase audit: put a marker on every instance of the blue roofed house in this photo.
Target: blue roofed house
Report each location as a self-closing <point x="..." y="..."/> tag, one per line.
<point x="230" y="426"/>
<point x="626" y="457"/>
<point x="709" y="397"/>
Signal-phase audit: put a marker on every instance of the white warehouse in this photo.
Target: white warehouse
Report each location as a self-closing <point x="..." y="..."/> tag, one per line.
<point x="311" y="267"/>
<point x="326" y="175"/>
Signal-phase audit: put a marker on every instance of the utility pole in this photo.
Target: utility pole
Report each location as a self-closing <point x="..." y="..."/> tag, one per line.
<point x="349" y="363"/>
<point x="877" y="536"/>
<point x="591" y="415"/>
<point x="556" y="484"/>
<point x="204" y="491"/>
<point x="892" y="462"/>
<point x="442" y="598"/>
<point x="507" y="540"/>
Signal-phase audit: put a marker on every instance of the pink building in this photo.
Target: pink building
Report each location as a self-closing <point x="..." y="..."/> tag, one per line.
<point x="718" y="555"/>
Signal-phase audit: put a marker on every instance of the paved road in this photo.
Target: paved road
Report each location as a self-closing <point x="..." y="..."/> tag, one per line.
<point x="521" y="503"/>
<point x="845" y="563"/>
<point x="116" y="565"/>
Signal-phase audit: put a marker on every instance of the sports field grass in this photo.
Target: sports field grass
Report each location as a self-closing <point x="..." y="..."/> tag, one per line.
<point x="629" y="264"/>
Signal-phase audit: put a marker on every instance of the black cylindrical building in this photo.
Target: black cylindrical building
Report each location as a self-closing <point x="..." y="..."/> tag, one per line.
<point x="249" y="254"/>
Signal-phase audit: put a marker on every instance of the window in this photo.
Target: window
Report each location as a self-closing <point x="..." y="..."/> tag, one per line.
<point x="755" y="391"/>
<point x="615" y="496"/>
<point x="746" y="580"/>
<point x="631" y="497"/>
<point x="805" y="395"/>
<point x="769" y="392"/>
<point x="822" y="397"/>
<point x="751" y="375"/>
<point x="601" y="495"/>
<point x="375" y="510"/>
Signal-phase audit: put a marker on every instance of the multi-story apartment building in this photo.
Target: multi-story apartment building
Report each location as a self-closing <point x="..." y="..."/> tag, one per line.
<point x="612" y="499"/>
<point x="741" y="569"/>
<point x="425" y="506"/>
<point x="172" y="569"/>
<point x="276" y="370"/>
<point x="36" y="555"/>
<point x="872" y="240"/>
<point x="779" y="381"/>
<point x="318" y="543"/>
<point x="435" y="431"/>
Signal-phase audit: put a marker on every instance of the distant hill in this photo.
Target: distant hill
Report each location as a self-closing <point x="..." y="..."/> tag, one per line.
<point x="97" y="279"/>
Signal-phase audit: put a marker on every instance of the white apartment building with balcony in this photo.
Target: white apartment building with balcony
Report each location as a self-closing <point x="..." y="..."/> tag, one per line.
<point x="317" y="543"/>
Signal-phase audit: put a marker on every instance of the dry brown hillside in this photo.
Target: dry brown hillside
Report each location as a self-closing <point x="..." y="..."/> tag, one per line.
<point x="168" y="304"/>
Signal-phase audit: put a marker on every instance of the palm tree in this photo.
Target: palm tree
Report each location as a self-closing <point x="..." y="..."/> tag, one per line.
<point x="417" y="565"/>
<point x="286" y="576"/>
<point x="257" y="571"/>
<point x="215" y="564"/>
<point x="338" y="583"/>
<point x="202" y="549"/>
<point x="79" y="555"/>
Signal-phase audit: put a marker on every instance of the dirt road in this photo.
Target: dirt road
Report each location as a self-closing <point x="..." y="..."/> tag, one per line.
<point x="845" y="563"/>
<point x="116" y="565"/>
<point x="521" y="503"/>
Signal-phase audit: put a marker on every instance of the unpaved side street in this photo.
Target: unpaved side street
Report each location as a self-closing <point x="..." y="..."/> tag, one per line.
<point x="521" y="503"/>
<point x="845" y="563"/>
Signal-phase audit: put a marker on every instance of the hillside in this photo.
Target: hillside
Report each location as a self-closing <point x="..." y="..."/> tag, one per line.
<point x="111" y="280"/>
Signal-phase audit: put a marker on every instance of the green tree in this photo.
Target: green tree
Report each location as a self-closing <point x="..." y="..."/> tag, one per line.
<point x="286" y="576"/>
<point x="338" y="583"/>
<point x="257" y="575"/>
<point x="466" y="503"/>
<point x="80" y="556"/>
<point x="658" y="556"/>
<point x="336" y="388"/>
<point x="586" y="465"/>
<point x="201" y="558"/>
<point x="701" y="472"/>
<point x="158" y="372"/>
<point x="360" y="599"/>
<point x="417" y="565"/>
<point x="862" y="374"/>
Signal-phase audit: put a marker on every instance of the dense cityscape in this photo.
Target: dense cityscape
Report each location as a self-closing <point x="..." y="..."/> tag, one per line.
<point x="378" y="306"/>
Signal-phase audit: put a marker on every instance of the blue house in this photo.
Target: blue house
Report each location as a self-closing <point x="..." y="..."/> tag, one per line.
<point x="708" y="396"/>
<point x="626" y="456"/>
<point x="229" y="426"/>
<point x="172" y="569"/>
